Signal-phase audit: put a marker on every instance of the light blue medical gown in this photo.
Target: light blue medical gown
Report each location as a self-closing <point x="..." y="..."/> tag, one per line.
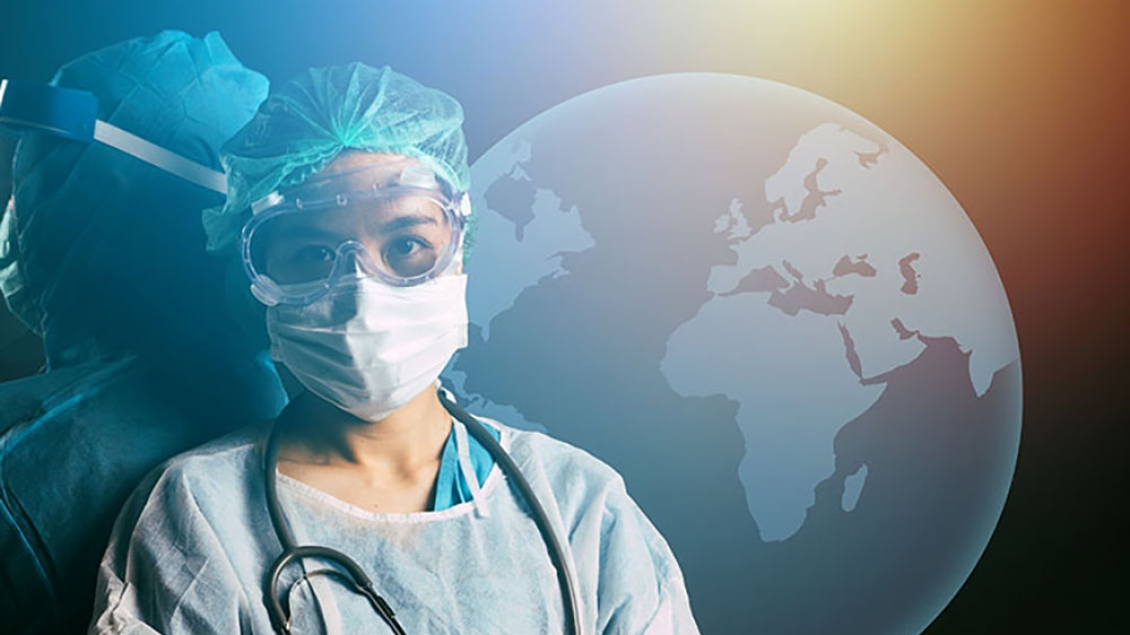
<point x="191" y="550"/>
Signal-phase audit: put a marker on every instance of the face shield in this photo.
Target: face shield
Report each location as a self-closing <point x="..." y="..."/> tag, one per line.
<point x="72" y="114"/>
<point x="402" y="227"/>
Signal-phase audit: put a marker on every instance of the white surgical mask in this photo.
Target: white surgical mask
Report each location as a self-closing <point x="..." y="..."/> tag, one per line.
<point x="368" y="347"/>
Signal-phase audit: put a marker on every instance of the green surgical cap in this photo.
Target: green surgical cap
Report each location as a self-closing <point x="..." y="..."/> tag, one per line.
<point x="324" y="112"/>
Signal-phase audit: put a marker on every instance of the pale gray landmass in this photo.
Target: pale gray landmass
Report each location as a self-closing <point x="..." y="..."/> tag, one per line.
<point x="536" y="227"/>
<point x="815" y="199"/>
<point x="456" y="379"/>
<point x="869" y="160"/>
<point x="903" y="332"/>
<point x="853" y="487"/>
<point x="763" y="280"/>
<point x="513" y="199"/>
<point x="793" y="271"/>
<point x="816" y="299"/>
<point x="733" y="223"/>
<point x="583" y="352"/>
<point x="794" y="297"/>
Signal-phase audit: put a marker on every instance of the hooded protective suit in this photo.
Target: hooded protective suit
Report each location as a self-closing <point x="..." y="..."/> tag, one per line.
<point x="104" y="257"/>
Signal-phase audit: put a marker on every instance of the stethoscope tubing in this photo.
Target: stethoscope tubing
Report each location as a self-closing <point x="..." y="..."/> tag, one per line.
<point x="566" y="575"/>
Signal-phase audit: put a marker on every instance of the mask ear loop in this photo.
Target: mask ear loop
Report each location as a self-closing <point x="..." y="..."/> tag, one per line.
<point x="462" y="445"/>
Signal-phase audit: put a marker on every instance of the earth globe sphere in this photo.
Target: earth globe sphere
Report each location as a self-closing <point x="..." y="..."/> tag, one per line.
<point x="774" y="321"/>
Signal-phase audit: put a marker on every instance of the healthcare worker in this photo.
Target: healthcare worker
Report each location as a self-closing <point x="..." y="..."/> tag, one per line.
<point x="347" y="204"/>
<point x="103" y="256"/>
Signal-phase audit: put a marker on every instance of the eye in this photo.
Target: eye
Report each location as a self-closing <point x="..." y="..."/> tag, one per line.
<point x="404" y="247"/>
<point x="409" y="256"/>
<point x="299" y="263"/>
<point x="313" y="254"/>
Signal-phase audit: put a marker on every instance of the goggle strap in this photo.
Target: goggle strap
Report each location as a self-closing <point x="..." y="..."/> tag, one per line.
<point x="267" y="202"/>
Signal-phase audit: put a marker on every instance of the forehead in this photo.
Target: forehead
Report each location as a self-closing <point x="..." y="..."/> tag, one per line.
<point x="357" y="172"/>
<point x="362" y="172"/>
<point x="364" y="221"/>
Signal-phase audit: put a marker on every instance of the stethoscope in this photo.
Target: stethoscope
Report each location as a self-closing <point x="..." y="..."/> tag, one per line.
<point x="352" y="574"/>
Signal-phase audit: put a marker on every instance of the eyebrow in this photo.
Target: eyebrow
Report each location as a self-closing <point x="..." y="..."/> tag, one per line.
<point x="290" y="232"/>
<point x="403" y="222"/>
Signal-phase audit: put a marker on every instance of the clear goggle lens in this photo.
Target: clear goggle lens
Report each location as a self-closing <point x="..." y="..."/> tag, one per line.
<point x="294" y="252"/>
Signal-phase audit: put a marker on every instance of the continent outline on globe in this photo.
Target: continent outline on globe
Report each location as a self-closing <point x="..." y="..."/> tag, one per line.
<point x="583" y="339"/>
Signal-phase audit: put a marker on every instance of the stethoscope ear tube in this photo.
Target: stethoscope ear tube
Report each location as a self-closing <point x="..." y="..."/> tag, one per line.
<point x="566" y="576"/>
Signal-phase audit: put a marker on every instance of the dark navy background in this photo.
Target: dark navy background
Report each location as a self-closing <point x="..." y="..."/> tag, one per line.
<point x="1018" y="106"/>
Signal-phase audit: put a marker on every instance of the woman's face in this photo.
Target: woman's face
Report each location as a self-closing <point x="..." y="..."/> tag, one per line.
<point x="402" y="234"/>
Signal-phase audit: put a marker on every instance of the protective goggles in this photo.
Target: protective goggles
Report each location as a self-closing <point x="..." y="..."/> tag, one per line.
<point x="72" y="114"/>
<point x="403" y="230"/>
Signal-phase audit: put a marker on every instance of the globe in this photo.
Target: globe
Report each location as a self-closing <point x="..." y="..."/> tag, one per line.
<point x="774" y="321"/>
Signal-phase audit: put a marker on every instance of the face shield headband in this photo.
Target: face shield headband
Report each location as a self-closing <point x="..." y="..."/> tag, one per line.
<point x="72" y="114"/>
